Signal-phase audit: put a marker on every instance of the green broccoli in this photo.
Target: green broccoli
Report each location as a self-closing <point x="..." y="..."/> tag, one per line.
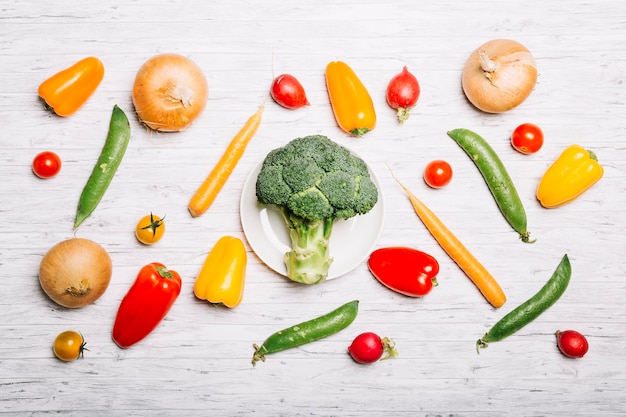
<point x="314" y="181"/>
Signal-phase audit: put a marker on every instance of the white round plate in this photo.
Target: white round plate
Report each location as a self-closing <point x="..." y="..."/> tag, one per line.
<point x="351" y="240"/>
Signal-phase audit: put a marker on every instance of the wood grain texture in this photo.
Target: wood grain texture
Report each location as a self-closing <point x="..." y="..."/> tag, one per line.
<point x="197" y="362"/>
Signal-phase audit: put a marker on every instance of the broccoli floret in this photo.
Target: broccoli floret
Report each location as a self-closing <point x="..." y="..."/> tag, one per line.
<point x="314" y="181"/>
<point x="301" y="173"/>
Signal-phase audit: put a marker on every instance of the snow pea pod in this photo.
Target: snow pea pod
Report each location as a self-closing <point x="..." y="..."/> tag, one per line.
<point x="308" y="331"/>
<point x="496" y="177"/>
<point x="109" y="160"/>
<point x="531" y="308"/>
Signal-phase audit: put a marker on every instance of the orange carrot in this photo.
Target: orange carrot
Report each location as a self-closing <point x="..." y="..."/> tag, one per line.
<point x="208" y="190"/>
<point x="474" y="270"/>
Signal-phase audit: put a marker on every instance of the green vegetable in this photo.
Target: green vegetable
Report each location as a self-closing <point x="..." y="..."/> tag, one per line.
<point x="104" y="170"/>
<point x="314" y="181"/>
<point x="308" y="331"/>
<point x="532" y="308"/>
<point x="496" y="177"/>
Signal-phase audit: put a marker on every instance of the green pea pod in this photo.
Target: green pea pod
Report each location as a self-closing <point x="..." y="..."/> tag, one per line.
<point x="531" y="308"/>
<point x="110" y="158"/>
<point x="308" y="331"/>
<point x="496" y="177"/>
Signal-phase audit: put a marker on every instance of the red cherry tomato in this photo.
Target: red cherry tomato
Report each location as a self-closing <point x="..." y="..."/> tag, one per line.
<point x="46" y="164"/>
<point x="437" y="174"/>
<point x="527" y="138"/>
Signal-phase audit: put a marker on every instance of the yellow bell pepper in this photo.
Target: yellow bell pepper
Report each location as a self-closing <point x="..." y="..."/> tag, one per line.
<point x="351" y="102"/>
<point x="222" y="277"/>
<point x="573" y="173"/>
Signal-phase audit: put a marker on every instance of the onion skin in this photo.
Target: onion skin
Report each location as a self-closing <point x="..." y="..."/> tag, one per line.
<point x="170" y="91"/>
<point x="499" y="75"/>
<point x="75" y="272"/>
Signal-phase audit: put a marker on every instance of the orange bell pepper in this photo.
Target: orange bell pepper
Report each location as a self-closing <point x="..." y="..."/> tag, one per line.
<point x="573" y="173"/>
<point x="66" y="91"/>
<point x="351" y="102"/>
<point x="222" y="277"/>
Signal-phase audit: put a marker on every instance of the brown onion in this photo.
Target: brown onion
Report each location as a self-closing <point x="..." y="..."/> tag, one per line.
<point x="170" y="92"/>
<point x="75" y="272"/>
<point x="499" y="75"/>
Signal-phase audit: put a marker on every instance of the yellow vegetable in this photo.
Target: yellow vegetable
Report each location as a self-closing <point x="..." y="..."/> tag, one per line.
<point x="66" y="91"/>
<point x="222" y="277"/>
<point x="573" y="173"/>
<point x="351" y="102"/>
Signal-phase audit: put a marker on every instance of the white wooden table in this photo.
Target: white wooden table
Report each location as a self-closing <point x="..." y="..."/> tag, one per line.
<point x="197" y="362"/>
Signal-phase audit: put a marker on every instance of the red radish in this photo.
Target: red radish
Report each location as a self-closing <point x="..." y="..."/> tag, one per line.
<point x="402" y="93"/>
<point x="368" y="347"/>
<point x="571" y="343"/>
<point x="288" y="92"/>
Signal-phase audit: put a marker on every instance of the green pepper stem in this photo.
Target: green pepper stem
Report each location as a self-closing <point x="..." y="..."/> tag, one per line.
<point x="164" y="272"/>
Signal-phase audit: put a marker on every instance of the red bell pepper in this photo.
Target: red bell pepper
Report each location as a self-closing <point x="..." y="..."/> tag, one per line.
<point x="147" y="302"/>
<point x="404" y="270"/>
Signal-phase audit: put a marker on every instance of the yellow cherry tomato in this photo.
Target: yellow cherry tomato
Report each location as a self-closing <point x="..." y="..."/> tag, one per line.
<point x="69" y="345"/>
<point x="150" y="229"/>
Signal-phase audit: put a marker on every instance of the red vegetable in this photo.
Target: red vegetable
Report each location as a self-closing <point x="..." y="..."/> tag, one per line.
<point x="402" y="93"/>
<point x="146" y="304"/>
<point x="571" y="343"/>
<point x="46" y="164"/>
<point x="288" y="92"/>
<point x="437" y="174"/>
<point x="527" y="138"/>
<point x="404" y="270"/>
<point x="368" y="347"/>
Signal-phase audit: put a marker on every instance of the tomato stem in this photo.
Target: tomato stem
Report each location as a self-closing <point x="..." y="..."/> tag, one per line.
<point x="154" y="225"/>
<point x="81" y="351"/>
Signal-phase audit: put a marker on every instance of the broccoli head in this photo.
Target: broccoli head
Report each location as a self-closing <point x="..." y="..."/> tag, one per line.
<point x="314" y="181"/>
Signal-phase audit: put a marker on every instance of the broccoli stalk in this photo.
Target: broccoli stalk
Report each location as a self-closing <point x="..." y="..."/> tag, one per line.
<point x="314" y="181"/>
<point x="309" y="259"/>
